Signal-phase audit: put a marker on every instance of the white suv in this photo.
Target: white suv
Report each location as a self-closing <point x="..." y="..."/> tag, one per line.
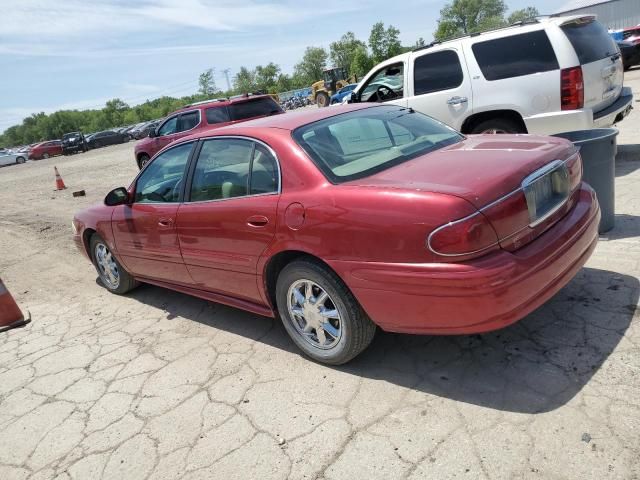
<point x="545" y="76"/>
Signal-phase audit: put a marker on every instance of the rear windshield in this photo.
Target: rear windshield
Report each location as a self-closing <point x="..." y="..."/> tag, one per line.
<point x="515" y="55"/>
<point x="70" y="135"/>
<point x="257" y="107"/>
<point x="358" y="144"/>
<point x="590" y="41"/>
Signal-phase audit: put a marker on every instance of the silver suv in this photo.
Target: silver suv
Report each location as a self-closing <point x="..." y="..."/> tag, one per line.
<point x="545" y="76"/>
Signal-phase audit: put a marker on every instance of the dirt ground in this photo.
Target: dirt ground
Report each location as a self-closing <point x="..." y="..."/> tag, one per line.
<point x="160" y="385"/>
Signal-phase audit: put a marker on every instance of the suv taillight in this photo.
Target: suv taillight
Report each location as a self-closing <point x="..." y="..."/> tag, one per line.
<point x="571" y="88"/>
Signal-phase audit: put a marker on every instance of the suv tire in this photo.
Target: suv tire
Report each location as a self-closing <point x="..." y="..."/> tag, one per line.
<point x="497" y="125"/>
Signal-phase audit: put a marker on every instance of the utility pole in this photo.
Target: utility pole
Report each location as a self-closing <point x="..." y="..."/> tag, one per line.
<point x="226" y="75"/>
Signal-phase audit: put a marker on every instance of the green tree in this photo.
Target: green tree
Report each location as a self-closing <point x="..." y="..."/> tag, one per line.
<point x="462" y="17"/>
<point x="420" y="43"/>
<point x="361" y="62"/>
<point x="206" y="82"/>
<point x="343" y="51"/>
<point x="384" y="43"/>
<point x="310" y="68"/>
<point x="113" y="112"/>
<point x="522" y="14"/>
<point x="266" y="77"/>
<point x="244" y="81"/>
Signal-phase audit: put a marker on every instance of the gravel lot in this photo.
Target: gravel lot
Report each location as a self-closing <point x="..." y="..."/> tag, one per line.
<point x="160" y="385"/>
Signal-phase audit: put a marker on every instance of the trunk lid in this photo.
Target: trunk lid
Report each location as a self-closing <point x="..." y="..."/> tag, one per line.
<point x="600" y="59"/>
<point x="480" y="169"/>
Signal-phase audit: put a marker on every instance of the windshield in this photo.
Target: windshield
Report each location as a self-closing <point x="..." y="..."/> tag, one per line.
<point x="70" y="135"/>
<point x="360" y="143"/>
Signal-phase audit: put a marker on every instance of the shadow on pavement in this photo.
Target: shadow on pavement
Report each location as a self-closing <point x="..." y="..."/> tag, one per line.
<point x="536" y="365"/>
<point x="626" y="226"/>
<point x="627" y="159"/>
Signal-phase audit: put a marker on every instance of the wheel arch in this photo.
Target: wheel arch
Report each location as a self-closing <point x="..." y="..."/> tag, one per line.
<point x="86" y="241"/>
<point x="276" y="264"/>
<point x="473" y="120"/>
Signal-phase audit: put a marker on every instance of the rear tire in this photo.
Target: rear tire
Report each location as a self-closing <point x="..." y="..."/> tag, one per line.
<point x="20" y="160"/>
<point x="112" y="275"/>
<point x="497" y="125"/>
<point x="347" y="329"/>
<point x="45" y="155"/>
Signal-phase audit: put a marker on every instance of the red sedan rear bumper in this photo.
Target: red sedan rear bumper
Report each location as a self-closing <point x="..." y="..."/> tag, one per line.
<point x="478" y="296"/>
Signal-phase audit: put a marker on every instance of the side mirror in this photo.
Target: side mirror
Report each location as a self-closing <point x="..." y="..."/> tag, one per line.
<point x="117" y="196"/>
<point x="153" y="133"/>
<point x="355" y="98"/>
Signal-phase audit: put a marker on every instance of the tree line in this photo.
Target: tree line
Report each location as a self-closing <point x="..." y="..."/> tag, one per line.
<point x="356" y="56"/>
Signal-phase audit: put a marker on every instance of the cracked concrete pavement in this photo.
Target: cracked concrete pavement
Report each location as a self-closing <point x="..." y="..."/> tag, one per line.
<point x="160" y="385"/>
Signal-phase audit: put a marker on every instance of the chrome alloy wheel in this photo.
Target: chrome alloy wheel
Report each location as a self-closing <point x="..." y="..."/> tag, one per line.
<point x="494" y="131"/>
<point x="314" y="315"/>
<point x="107" y="266"/>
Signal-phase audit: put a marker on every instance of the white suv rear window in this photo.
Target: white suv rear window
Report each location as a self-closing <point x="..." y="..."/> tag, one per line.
<point x="590" y="41"/>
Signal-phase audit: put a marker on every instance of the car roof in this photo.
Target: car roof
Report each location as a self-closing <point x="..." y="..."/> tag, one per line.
<point x="286" y="121"/>
<point x="221" y="102"/>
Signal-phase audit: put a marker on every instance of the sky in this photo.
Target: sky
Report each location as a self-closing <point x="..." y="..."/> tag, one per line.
<point x="68" y="54"/>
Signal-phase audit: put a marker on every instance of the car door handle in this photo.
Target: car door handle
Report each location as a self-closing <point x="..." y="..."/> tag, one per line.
<point x="257" y="221"/>
<point x="457" y="100"/>
<point x="165" y="222"/>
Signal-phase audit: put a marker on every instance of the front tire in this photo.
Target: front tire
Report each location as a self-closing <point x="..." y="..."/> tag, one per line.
<point x="20" y="160"/>
<point x="322" y="100"/>
<point x="112" y="275"/>
<point x="320" y="314"/>
<point x="143" y="160"/>
<point x="45" y="155"/>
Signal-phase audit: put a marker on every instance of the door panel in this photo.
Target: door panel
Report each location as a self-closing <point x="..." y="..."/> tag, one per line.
<point x="221" y="242"/>
<point x="147" y="242"/>
<point x="440" y="86"/>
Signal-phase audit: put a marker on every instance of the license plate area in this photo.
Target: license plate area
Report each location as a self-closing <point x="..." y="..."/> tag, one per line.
<point x="546" y="190"/>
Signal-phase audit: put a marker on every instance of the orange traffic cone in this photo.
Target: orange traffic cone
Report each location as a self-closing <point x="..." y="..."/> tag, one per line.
<point x="59" y="183"/>
<point x="10" y="314"/>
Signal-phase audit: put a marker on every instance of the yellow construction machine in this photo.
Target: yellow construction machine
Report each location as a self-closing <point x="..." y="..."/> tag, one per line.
<point x="333" y="80"/>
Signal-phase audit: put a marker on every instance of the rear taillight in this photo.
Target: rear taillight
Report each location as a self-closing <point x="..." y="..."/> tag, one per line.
<point x="470" y="236"/>
<point x="571" y="88"/>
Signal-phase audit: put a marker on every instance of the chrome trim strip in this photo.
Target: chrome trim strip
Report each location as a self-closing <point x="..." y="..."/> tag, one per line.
<point x="447" y="225"/>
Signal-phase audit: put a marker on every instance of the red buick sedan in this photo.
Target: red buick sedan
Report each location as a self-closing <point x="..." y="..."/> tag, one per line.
<point x="341" y="220"/>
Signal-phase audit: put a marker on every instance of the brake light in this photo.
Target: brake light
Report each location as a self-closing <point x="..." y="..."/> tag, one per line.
<point x="472" y="235"/>
<point x="571" y="88"/>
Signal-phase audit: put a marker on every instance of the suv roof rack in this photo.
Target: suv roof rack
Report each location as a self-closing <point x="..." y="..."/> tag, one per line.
<point x="521" y="23"/>
<point x="211" y="100"/>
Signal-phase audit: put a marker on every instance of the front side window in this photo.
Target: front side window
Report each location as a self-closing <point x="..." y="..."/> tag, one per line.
<point x="515" y="55"/>
<point x="385" y="85"/>
<point x="188" y="121"/>
<point x="161" y="180"/>
<point x="169" y="127"/>
<point x="363" y="142"/>
<point x="435" y="72"/>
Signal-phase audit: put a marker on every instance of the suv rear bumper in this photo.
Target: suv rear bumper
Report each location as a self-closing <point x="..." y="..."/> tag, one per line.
<point x="583" y="119"/>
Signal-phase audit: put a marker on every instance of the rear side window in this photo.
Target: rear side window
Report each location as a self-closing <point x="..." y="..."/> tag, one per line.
<point x="516" y="55"/>
<point x="436" y="71"/>
<point x="257" y="107"/>
<point x="590" y="41"/>
<point x="217" y="115"/>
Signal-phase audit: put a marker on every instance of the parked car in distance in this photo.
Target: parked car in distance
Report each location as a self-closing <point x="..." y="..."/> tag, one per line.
<point x="145" y="128"/>
<point x="74" y="142"/>
<point x="630" y="54"/>
<point x="47" y="149"/>
<point x="204" y="115"/>
<point x="108" y="137"/>
<point x="342" y="219"/>
<point x="9" y="157"/>
<point x="337" y="97"/>
<point x="544" y="76"/>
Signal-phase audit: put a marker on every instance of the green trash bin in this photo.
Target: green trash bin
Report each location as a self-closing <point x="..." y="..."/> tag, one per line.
<point x="598" y="151"/>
